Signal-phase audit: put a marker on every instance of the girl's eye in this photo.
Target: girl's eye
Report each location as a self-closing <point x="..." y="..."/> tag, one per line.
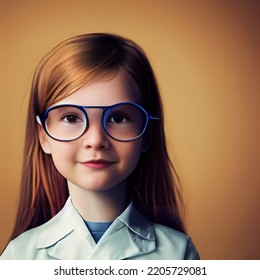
<point x="117" y="119"/>
<point x="71" y="119"/>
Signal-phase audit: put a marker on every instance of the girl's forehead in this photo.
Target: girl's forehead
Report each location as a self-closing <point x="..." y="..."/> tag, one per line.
<point x="108" y="90"/>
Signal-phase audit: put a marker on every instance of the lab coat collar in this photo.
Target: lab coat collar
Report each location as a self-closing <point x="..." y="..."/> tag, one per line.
<point x="66" y="236"/>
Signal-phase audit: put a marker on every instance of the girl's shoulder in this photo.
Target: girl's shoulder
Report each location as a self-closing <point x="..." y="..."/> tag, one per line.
<point x="41" y="236"/>
<point x="25" y="244"/>
<point x="167" y="232"/>
<point x="170" y="240"/>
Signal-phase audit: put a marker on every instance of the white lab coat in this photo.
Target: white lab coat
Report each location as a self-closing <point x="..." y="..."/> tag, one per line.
<point x="130" y="236"/>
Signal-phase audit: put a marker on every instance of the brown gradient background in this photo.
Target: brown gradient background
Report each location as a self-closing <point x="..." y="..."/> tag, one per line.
<point x="206" y="58"/>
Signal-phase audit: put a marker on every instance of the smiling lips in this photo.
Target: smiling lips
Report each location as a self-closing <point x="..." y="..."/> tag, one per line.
<point x="97" y="164"/>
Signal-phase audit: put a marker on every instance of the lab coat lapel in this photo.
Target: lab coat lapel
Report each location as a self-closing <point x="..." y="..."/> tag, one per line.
<point x="72" y="247"/>
<point x="66" y="236"/>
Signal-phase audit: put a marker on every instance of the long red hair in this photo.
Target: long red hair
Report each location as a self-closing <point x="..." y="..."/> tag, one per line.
<point x="69" y="66"/>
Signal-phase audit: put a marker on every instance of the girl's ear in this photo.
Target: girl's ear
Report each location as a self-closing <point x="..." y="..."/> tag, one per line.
<point x="43" y="138"/>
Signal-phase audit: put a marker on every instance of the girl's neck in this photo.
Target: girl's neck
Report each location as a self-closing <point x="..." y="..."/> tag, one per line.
<point x="99" y="206"/>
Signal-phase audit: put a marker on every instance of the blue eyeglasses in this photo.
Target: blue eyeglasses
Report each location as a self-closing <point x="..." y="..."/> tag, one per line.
<point x="125" y="121"/>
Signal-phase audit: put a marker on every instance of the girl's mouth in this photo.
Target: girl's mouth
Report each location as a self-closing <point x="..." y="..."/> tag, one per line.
<point x="97" y="164"/>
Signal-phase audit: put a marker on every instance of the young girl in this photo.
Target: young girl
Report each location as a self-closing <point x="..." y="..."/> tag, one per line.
<point x="97" y="180"/>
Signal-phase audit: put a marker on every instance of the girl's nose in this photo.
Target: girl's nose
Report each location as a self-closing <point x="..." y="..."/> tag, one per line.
<point x="95" y="137"/>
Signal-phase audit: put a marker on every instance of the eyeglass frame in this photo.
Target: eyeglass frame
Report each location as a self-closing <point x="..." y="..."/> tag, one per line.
<point x="41" y="118"/>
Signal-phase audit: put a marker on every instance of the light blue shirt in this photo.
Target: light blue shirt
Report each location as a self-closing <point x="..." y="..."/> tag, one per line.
<point x="97" y="229"/>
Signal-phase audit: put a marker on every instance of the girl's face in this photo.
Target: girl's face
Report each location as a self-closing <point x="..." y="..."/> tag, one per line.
<point x="96" y="162"/>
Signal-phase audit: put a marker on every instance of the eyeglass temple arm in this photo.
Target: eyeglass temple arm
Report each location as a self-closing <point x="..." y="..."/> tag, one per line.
<point x="153" y="118"/>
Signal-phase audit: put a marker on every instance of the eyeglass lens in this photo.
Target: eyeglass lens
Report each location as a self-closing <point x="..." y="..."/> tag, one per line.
<point x="122" y="122"/>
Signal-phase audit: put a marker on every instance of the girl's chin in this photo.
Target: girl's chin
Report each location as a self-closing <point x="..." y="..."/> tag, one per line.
<point x="96" y="187"/>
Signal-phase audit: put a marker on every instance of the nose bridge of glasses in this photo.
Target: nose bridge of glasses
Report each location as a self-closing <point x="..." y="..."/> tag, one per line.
<point x="94" y="114"/>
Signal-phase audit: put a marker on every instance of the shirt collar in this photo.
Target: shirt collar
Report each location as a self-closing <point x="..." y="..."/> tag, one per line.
<point x="136" y="222"/>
